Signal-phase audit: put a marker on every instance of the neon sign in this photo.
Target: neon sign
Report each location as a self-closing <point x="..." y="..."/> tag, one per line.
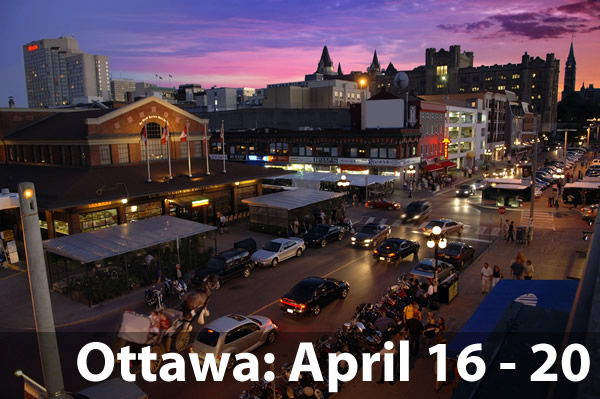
<point x="446" y="141"/>
<point x="33" y="47"/>
<point x="200" y="202"/>
<point x="97" y="204"/>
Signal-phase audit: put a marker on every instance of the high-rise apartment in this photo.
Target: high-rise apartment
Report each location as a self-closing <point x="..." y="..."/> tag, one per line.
<point x="120" y="88"/>
<point x="57" y="73"/>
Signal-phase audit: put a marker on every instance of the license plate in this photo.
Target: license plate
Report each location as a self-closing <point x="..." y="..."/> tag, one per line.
<point x="381" y="258"/>
<point x="290" y="311"/>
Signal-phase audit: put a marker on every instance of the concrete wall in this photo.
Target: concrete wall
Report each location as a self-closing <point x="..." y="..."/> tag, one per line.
<point x="384" y="114"/>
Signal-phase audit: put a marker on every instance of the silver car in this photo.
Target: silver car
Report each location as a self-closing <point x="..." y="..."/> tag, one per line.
<point x="447" y="226"/>
<point x="278" y="250"/>
<point x="233" y="334"/>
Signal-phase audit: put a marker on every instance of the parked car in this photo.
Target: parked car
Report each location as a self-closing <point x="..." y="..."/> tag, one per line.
<point x="424" y="270"/>
<point x="481" y="184"/>
<point x="278" y="250"/>
<point x="456" y="253"/>
<point x="227" y="265"/>
<point x="312" y="294"/>
<point x="396" y="249"/>
<point x="383" y="204"/>
<point x="370" y="235"/>
<point x="416" y="210"/>
<point x="465" y="190"/>
<point x="322" y="234"/>
<point x="447" y="226"/>
<point x="233" y="334"/>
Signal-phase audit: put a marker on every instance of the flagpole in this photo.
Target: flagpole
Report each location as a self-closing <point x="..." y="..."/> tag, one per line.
<point x="206" y="151"/>
<point x="187" y="138"/>
<point x="147" y="156"/>
<point x="223" y="144"/>
<point x="169" y="149"/>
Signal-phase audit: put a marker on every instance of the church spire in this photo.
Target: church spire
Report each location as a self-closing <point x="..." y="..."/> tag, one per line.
<point x="340" y="69"/>
<point x="325" y="65"/>
<point x="375" y="67"/>
<point x="570" y="73"/>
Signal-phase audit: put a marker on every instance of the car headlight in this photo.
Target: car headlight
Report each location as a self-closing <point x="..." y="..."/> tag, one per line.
<point x="403" y="215"/>
<point x="417" y="216"/>
<point x="368" y="240"/>
<point x="457" y="191"/>
<point x="353" y="238"/>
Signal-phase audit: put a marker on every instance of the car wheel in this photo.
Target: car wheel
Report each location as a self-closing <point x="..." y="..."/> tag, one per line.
<point x="344" y="293"/>
<point x="316" y="310"/>
<point x="323" y="243"/>
<point x="274" y="262"/>
<point x="247" y="272"/>
<point x="218" y="285"/>
<point x="340" y="236"/>
<point x="299" y="252"/>
<point x="271" y="337"/>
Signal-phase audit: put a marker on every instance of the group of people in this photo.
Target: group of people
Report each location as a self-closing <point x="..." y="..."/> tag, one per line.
<point x="521" y="269"/>
<point x="159" y="323"/>
<point x="300" y="227"/>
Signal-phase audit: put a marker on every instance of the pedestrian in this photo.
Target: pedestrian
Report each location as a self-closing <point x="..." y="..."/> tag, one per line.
<point x="354" y="200"/>
<point x="511" y="232"/>
<point x="290" y="230"/>
<point x="296" y="227"/>
<point x="222" y="222"/>
<point x="550" y="202"/>
<point x="322" y="217"/>
<point x="408" y="312"/>
<point x="496" y="275"/>
<point x="441" y="322"/>
<point x="528" y="272"/>
<point x="516" y="269"/>
<point x="470" y="173"/>
<point x="415" y="328"/>
<point x="178" y="271"/>
<point x="556" y="205"/>
<point x="505" y="229"/>
<point x="521" y="258"/>
<point x="486" y="278"/>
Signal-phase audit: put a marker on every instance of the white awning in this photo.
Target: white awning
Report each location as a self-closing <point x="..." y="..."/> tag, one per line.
<point x="292" y="199"/>
<point x="300" y="179"/>
<point x="105" y="243"/>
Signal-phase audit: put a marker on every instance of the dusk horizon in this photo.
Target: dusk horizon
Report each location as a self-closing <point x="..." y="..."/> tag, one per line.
<point x="243" y="45"/>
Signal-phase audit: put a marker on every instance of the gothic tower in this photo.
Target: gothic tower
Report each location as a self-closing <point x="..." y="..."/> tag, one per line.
<point x="570" y="67"/>
<point x="375" y="67"/>
<point x="325" y="66"/>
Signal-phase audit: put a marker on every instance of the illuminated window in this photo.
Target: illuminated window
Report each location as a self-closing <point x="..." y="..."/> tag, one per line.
<point x="515" y="87"/>
<point x="441" y="70"/>
<point x="516" y="76"/>
<point x="488" y="78"/>
<point x="475" y="88"/>
<point x="533" y="75"/>
<point x="441" y="85"/>
<point x="533" y="86"/>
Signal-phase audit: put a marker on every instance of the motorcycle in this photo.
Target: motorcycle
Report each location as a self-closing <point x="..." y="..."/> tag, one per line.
<point x="175" y="287"/>
<point x="154" y="298"/>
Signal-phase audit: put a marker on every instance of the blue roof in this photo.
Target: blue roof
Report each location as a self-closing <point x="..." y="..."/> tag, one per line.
<point x="555" y="295"/>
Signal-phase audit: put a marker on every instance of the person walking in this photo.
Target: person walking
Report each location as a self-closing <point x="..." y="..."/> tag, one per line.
<point x="486" y="278"/>
<point x="496" y="275"/>
<point x="528" y="272"/>
<point x="179" y="274"/>
<point x="296" y="227"/>
<point x="556" y="204"/>
<point x="516" y="269"/>
<point x="322" y="217"/>
<point x="222" y="222"/>
<point x="511" y="232"/>
<point x="505" y="230"/>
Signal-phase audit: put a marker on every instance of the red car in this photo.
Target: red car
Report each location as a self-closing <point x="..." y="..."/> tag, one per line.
<point x="383" y="204"/>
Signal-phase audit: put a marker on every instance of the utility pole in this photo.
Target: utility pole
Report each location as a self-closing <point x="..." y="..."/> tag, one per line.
<point x="532" y="205"/>
<point x="40" y="294"/>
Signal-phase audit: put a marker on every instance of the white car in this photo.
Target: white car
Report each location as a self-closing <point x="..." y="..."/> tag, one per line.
<point x="447" y="225"/>
<point x="278" y="250"/>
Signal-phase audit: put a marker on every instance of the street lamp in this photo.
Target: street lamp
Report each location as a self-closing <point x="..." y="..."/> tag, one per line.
<point x="436" y="240"/>
<point x="411" y="172"/>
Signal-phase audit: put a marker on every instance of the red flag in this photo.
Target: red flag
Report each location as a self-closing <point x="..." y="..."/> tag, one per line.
<point x="184" y="134"/>
<point x="144" y="136"/>
<point x="165" y="135"/>
<point x="222" y="132"/>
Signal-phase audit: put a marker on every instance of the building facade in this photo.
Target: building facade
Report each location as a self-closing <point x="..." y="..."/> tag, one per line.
<point x="120" y="88"/>
<point x="57" y="72"/>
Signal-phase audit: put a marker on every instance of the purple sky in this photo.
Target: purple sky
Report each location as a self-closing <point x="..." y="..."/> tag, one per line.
<point x="252" y="43"/>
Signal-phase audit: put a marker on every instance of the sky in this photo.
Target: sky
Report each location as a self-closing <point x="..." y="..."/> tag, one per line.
<point x="247" y="43"/>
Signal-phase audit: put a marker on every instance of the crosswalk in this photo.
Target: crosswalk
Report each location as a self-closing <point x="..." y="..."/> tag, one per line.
<point x="541" y="219"/>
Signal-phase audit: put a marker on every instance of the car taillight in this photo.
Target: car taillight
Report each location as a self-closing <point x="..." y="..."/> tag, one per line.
<point x="392" y="254"/>
<point x="302" y="307"/>
<point x="375" y="251"/>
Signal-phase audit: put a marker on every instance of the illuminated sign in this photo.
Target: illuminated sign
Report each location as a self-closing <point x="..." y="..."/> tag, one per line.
<point x="149" y="117"/>
<point x="97" y="204"/>
<point x="446" y="141"/>
<point x="200" y="202"/>
<point x="32" y="47"/>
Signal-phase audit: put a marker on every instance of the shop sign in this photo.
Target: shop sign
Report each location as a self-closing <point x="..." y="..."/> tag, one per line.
<point x="219" y="157"/>
<point x="97" y="204"/>
<point x="268" y="158"/>
<point x="353" y="161"/>
<point x="327" y="160"/>
<point x="445" y="142"/>
<point x="150" y="117"/>
<point x="237" y="157"/>
<point x="302" y="159"/>
<point x="200" y="202"/>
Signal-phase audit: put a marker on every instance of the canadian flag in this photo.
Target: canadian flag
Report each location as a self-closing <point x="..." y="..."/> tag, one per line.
<point x="184" y="134"/>
<point x="222" y="132"/>
<point x="144" y="136"/>
<point x="165" y="135"/>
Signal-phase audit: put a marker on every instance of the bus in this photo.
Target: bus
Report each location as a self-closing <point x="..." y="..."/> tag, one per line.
<point x="507" y="192"/>
<point x="581" y="193"/>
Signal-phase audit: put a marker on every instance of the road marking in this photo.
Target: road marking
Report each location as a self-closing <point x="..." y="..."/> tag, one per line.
<point x="541" y="219"/>
<point x="496" y="231"/>
<point x="327" y="275"/>
<point x="370" y="220"/>
<point x="12" y="275"/>
<point x="383" y="220"/>
<point x="472" y="239"/>
<point x="480" y="230"/>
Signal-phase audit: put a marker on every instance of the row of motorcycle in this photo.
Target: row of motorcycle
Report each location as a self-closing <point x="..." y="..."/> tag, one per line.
<point x="371" y="326"/>
<point x="154" y="296"/>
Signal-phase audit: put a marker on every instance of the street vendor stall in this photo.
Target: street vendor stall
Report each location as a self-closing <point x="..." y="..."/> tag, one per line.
<point x="273" y="213"/>
<point x="97" y="265"/>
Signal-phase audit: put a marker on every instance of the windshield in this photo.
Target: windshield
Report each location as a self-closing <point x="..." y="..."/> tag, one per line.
<point x="272" y="246"/>
<point x="302" y="291"/>
<point x="453" y="249"/>
<point x="208" y="337"/>
<point x="424" y="267"/>
<point x="465" y="187"/>
<point x="368" y="230"/>
<point x="414" y="206"/>
<point x="321" y="229"/>
<point x="215" y="264"/>
<point x="435" y="223"/>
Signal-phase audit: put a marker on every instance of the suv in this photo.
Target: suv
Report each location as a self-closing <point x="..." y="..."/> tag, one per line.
<point x="227" y="265"/>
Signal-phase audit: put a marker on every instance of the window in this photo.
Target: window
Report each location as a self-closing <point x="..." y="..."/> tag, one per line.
<point x="516" y="76"/>
<point x="502" y="77"/>
<point x="391" y="152"/>
<point x="441" y="70"/>
<point x="441" y="85"/>
<point x="105" y="154"/>
<point x="98" y="220"/>
<point x="155" y="149"/>
<point x="488" y="78"/>
<point x="423" y="153"/>
<point x="475" y="88"/>
<point x="198" y="149"/>
<point x="533" y="75"/>
<point x="183" y="149"/>
<point x="123" y="150"/>
<point x="143" y="211"/>
<point x="515" y="87"/>
<point x="501" y="87"/>
<point x="36" y="154"/>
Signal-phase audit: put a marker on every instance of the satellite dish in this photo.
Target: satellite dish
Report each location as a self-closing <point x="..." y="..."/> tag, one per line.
<point x="401" y="81"/>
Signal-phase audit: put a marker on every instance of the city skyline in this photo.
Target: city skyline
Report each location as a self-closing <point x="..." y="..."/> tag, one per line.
<point x="236" y="44"/>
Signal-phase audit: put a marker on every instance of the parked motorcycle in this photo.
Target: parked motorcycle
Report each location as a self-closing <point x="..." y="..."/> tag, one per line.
<point x="154" y="298"/>
<point x="175" y="287"/>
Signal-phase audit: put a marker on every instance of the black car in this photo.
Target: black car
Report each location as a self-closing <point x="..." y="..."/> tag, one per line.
<point x="322" y="234"/>
<point x="312" y="294"/>
<point x="396" y="249"/>
<point x="465" y="190"/>
<point x="370" y="235"/>
<point x="227" y="265"/>
<point x="456" y="253"/>
<point x="416" y="211"/>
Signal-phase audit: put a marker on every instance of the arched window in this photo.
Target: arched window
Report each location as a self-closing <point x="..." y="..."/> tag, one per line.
<point x="156" y="151"/>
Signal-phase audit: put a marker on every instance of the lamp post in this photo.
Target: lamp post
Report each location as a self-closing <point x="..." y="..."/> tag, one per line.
<point x="436" y="240"/>
<point x="411" y="171"/>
